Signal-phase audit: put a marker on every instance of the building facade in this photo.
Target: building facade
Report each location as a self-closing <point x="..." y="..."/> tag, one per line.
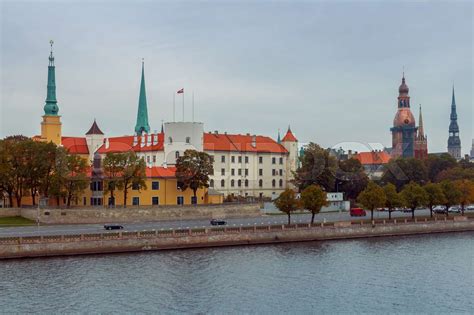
<point x="454" y="142"/>
<point x="246" y="165"/>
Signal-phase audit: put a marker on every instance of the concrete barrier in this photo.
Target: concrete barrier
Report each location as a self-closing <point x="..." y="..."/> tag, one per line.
<point x="142" y="214"/>
<point x="53" y="245"/>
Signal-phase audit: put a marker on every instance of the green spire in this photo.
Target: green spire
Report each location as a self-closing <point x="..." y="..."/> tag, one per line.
<point x="51" y="108"/>
<point x="279" y="139"/>
<point x="142" y="125"/>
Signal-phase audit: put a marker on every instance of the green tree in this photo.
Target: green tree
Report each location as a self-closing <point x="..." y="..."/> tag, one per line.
<point x="76" y="180"/>
<point x="414" y="196"/>
<point x="133" y="174"/>
<point x="193" y="169"/>
<point x="393" y="198"/>
<point x="466" y="187"/>
<point x="113" y="167"/>
<point x="313" y="198"/>
<point x="435" y="195"/>
<point x="351" y="178"/>
<point x="59" y="176"/>
<point x="456" y="173"/>
<point x="435" y="164"/>
<point x="372" y="197"/>
<point x="401" y="171"/>
<point x="317" y="167"/>
<point x="451" y="193"/>
<point x="287" y="203"/>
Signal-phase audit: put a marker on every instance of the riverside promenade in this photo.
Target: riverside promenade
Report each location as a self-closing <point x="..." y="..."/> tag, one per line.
<point x="116" y="242"/>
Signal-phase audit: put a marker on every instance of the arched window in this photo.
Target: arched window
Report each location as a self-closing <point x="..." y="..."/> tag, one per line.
<point x="170" y="140"/>
<point x="239" y="183"/>
<point x="246" y="183"/>
<point x="281" y="182"/>
<point x="177" y="154"/>
<point x="232" y="183"/>
<point x="260" y="183"/>
<point x="222" y="183"/>
<point x="273" y="183"/>
<point x="211" y="183"/>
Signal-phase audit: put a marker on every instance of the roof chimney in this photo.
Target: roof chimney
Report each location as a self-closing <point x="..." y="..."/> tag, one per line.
<point x="254" y="141"/>
<point x="135" y="140"/>
<point x="142" y="140"/>
<point x="107" y="144"/>
<point x="148" y="143"/>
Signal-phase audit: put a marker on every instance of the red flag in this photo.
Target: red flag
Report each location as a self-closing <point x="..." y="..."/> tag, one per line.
<point x="180" y="91"/>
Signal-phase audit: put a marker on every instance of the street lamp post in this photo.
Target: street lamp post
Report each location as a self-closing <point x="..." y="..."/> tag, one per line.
<point x="37" y="209"/>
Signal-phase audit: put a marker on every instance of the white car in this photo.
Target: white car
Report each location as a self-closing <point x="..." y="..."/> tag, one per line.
<point x="439" y="209"/>
<point x="455" y="209"/>
<point x="470" y="208"/>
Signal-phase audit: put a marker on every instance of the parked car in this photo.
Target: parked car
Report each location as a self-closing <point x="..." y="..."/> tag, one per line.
<point x="455" y="209"/>
<point x="470" y="208"/>
<point x="113" y="227"/>
<point x="358" y="212"/>
<point x="218" y="222"/>
<point x="439" y="209"/>
<point x="382" y="209"/>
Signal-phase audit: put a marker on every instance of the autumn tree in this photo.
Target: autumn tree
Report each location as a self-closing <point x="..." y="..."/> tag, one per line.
<point x="317" y="167"/>
<point x="313" y="198"/>
<point x="193" y="169"/>
<point x="372" y="197"/>
<point x="393" y="198"/>
<point x="435" y="195"/>
<point x="466" y="187"/>
<point x="402" y="171"/>
<point x="113" y="166"/>
<point x="351" y="178"/>
<point x="435" y="164"/>
<point x="414" y="196"/>
<point x="451" y="193"/>
<point x="76" y="180"/>
<point x="133" y="174"/>
<point x="287" y="203"/>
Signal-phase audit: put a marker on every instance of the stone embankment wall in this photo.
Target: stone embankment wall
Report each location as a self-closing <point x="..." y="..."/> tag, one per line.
<point x="114" y="242"/>
<point x="133" y="214"/>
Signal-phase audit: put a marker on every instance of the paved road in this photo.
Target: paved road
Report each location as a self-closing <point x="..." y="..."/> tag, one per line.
<point x="157" y="225"/>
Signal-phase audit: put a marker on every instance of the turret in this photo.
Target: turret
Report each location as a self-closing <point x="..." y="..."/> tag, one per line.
<point x="51" y="125"/>
<point x="290" y="143"/>
<point x="94" y="139"/>
<point x="142" y="125"/>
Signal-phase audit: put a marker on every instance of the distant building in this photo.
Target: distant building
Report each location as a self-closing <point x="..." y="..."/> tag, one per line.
<point x="454" y="142"/>
<point x="373" y="162"/>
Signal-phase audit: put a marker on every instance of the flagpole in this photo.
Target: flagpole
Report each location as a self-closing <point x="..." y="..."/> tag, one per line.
<point x="193" y="106"/>
<point x="174" y="108"/>
<point x="183" y="105"/>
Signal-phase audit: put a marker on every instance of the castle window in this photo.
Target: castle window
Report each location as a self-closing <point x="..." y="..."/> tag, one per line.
<point x="177" y="154"/>
<point x="232" y="182"/>
<point x="222" y="183"/>
<point x="155" y="185"/>
<point x="246" y="159"/>
<point x="281" y="160"/>
<point x="240" y="159"/>
<point x="260" y="183"/>
<point x="223" y="158"/>
<point x="239" y="183"/>
<point x="240" y="172"/>
<point x="155" y="201"/>
<point x="260" y="172"/>
<point x="232" y="159"/>
<point x="260" y="159"/>
<point x="246" y="183"/>
<point x="188" y="140"/>
<point x="273" y="183"/>
<point x="246" y="172"/>
<point x="273" y="160"/>
<point x="222" y="171"/>
<point x="232" y="172"/>
<point x="281" y="182"/>
<point x="211" y="183"/>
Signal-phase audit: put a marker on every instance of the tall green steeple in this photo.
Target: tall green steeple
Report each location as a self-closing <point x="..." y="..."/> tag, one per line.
<point x="142" y="125"/>
<point x="51" y="107"/>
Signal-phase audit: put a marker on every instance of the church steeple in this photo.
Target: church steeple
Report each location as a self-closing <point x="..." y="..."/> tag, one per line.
<point x="142" y="125"/>
<point x="51" y="108"/>
<point x="421" y="131"/>
<point x="454" y="142"/>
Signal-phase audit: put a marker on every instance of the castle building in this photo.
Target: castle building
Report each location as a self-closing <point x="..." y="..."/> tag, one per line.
<point x="407" y="139"/>
<point x="454" y="142"/>
<point x="246" y="165"/>
<point x="421" y="140"/>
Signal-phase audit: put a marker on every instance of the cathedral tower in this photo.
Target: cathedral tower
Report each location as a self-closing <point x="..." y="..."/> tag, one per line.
<point x="142" y="125"/>
<point x="51" y="125"/>
<point x="421" y="140"/>
<point x="454" y="142"/>
<point x="404" y="127"/>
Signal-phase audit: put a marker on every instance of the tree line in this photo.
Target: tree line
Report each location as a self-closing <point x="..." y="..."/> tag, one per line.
<point x="406" y="182"/>
<point x="35" y="168"/>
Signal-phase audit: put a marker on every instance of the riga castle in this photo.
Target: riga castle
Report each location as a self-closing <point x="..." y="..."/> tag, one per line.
<point x="244" y="164"/>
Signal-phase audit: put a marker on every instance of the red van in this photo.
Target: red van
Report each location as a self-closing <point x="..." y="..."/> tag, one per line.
<point x="358" y="212"/>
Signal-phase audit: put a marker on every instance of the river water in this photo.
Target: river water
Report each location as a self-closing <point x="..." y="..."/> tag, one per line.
<point x="412" y="274"/>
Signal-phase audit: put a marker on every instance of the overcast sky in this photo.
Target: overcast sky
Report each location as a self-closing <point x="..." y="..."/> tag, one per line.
<point x="330" y="69"/>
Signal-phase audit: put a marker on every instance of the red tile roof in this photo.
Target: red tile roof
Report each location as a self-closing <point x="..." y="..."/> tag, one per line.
<point x="75" y="145"/>
<point x="212" y="142"/>
<point x="371" y="158"/>
<point x="289" y="137"/>
<point x="161" y="172"/>
<point x="241" y="143"/>
<point x="125" y="143"/>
